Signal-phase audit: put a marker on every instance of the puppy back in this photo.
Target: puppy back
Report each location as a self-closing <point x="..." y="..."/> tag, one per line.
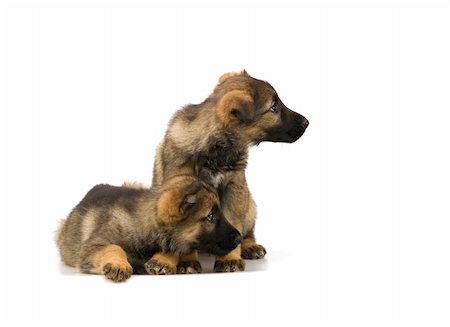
<point x="96" y="209"/>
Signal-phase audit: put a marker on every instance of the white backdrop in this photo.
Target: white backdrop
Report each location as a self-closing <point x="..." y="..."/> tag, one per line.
<point x="355" y="215"/>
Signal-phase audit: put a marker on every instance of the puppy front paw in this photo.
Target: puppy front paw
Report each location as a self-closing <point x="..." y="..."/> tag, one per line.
<point x="155" y="267"/>
<point x="189" y="267"/>
<point x="229" y="265"/>
<point x="117" y="272"/>
<point x="252" y="251"/>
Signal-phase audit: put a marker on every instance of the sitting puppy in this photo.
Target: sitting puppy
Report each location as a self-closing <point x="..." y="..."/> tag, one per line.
<point x="117" y="230"/>
<point x="211" y="140"/>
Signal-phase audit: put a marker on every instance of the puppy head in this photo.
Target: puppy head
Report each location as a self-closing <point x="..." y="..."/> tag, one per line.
<point x="252" y="108"/>
<point x="190" y="210"/>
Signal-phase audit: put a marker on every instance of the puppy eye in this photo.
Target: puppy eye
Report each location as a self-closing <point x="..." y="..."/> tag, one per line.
<point x="273" y="108"/>
<point x="211" y="217"/>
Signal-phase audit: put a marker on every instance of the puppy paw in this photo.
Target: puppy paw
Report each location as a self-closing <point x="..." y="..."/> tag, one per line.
<point x="189" y="267"/>
<point x="117" y="272"/>
<point x="253" y="251"/>
<point x="155" y="267"/>
<point x="229" y="265"/>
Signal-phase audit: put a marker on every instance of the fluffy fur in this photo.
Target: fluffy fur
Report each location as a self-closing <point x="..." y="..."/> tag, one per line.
<point x="211" y="140"/>
<point x="117" y="230"/>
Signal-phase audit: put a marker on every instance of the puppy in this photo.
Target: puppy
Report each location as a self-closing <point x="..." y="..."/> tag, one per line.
<point x="117" y="230"/>
<point x="211" y="140"/>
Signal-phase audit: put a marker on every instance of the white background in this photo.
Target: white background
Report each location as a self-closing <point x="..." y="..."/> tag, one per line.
<point x="355" y="215"/>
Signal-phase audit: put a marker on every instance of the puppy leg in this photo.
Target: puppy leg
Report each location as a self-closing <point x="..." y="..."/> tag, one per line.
<point x="162" y="263"/>
<point x="109" y="260"/>
<point x="250" y="249"/>
<point x="231" y="262"/>
<point x="189" y="264"/>
<point x="240" y="208"/>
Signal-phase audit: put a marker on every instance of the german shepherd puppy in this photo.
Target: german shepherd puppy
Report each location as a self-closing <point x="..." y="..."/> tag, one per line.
<point x="117" y="230"/>
<point x="211" y="140"/>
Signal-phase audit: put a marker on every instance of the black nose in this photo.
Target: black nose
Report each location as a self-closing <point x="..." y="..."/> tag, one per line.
<point x="305" y="123"/>
<point x="231" y="241"/>
<point x="234" y="239"/>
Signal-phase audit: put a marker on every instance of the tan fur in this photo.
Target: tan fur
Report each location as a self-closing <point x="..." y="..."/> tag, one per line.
<point x="233" y="255"/>
<point x="226" y="76"/>
<point x="69" y="240"/>
<point x="88" y="224"/>
<point x="167" y="208"/>
<point x="158" y="166"/>
<point x="136" y="185"/>
<point x="248" y="242"/>
<point x="166" y="259"/>
<point x="235" y="102"/>
<point x="112" y="254"/>
<point x="190" y="138"/>
<point x="190" y="233"/>
<point x="184" y="171"/>
<point x="193" y="256"/>
<point x="58" y="231"/>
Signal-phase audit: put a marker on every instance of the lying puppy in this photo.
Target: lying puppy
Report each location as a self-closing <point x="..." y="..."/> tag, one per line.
<point x="117" y="230"/>
<point x="211" y="140"/>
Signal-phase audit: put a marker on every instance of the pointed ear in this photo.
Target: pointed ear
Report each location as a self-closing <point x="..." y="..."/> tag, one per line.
<point x="236" y="105"/>
<point x="173" y="204"/>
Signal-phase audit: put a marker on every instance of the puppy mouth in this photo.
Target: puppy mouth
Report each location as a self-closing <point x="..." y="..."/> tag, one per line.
<point x="289" y="137"/>
<point x="285" y="135"/>
<point x="296" y="135"/>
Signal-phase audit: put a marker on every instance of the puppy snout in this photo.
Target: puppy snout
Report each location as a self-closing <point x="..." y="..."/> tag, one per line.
<point x="231" y="241"/>
<point x="234" y="239"/>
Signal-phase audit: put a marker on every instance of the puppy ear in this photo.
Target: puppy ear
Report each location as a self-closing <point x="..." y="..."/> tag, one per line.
<point x="188" y="202"/>
<point x="236" y="105"/>
<point x="226" y="76"/>
<point x="173" y="204"/>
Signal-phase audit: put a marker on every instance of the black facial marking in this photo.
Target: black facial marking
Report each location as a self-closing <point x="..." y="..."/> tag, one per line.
<point x="292" y="127"/>
<point x="220" y="240"/>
